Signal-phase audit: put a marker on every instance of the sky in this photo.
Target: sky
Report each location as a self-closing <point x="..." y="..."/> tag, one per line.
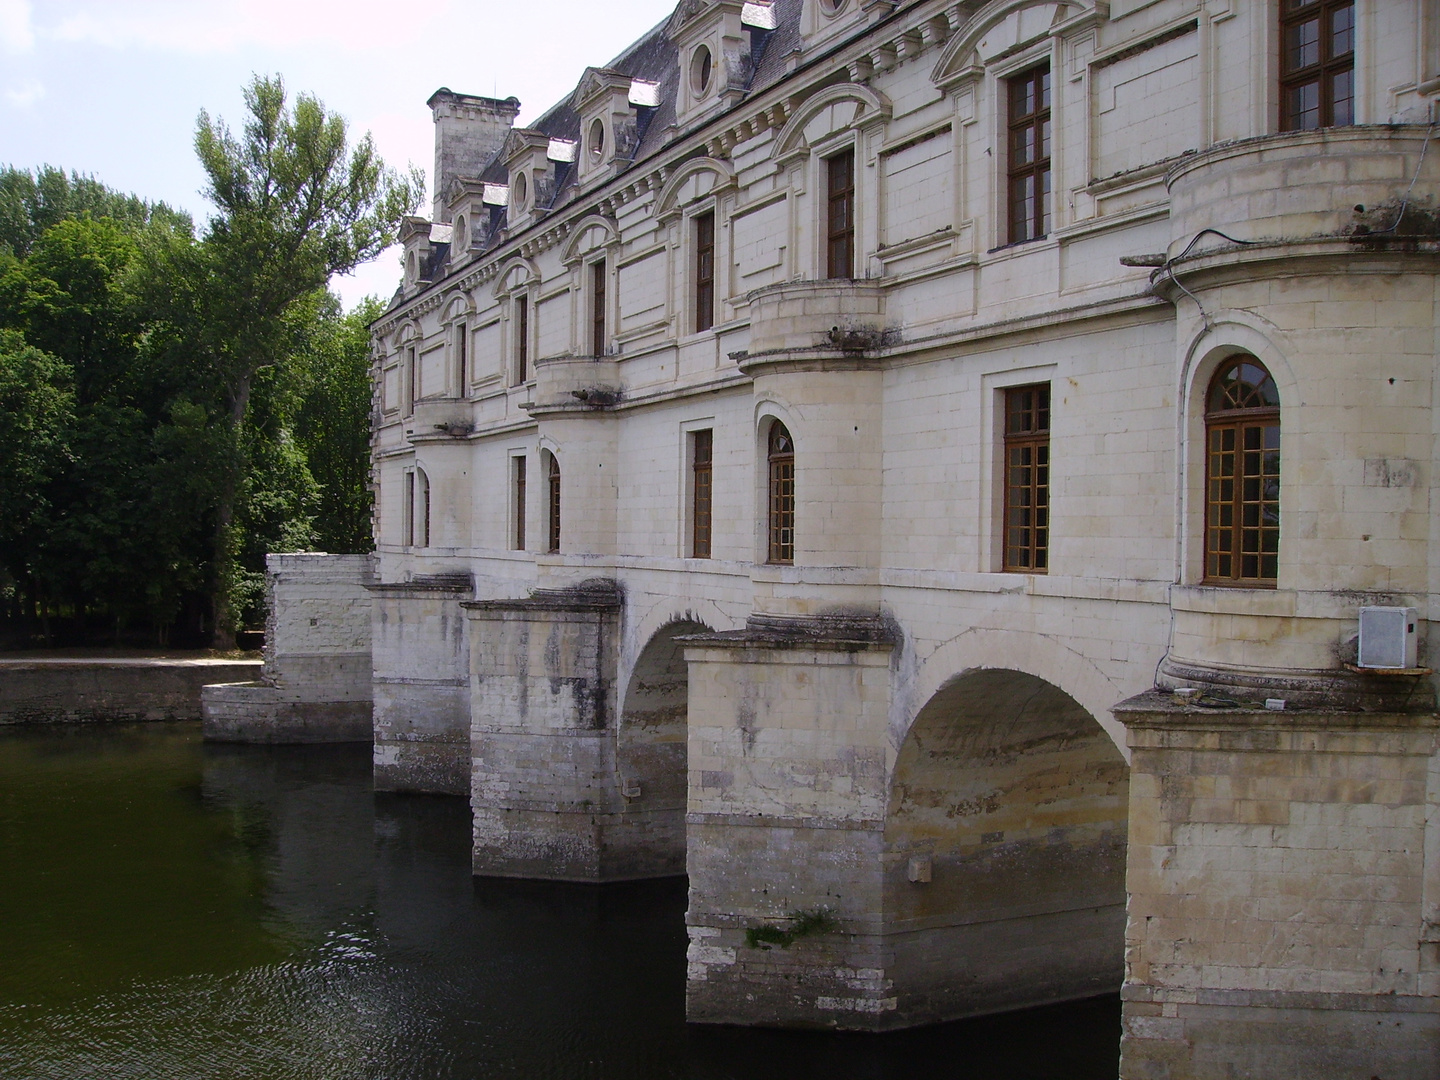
<point x="113" y="87"/>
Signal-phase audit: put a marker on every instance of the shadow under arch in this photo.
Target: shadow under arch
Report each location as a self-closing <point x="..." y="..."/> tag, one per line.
<point x="651" y="751"/>
<point x="1005" y="837"/>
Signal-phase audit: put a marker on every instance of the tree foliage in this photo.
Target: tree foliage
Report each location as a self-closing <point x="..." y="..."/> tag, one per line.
<point x="30" y="203"/>
<point x="173" y="406"/>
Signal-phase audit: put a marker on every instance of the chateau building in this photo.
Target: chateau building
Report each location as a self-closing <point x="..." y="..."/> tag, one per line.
<point x="811" y="454"/>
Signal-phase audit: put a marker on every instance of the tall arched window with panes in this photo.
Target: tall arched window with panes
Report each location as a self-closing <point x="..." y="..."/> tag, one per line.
<point x="781" y="516"/>
<point x="1242" y="475"/>
<point x="552" y="476"/>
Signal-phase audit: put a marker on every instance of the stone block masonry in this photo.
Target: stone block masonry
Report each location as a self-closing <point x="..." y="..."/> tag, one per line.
<point x="1278" y="884"/>
<point x="316" y="683"/>
<point x="80" y="690"/>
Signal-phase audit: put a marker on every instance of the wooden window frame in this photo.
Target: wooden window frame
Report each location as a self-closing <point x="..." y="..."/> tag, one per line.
<point x="1029" y="216"/>
<point x="1025" y="520"/>
<point x="702" y="492"/>
<point x="1242" y="520"/>
<point x="840" y="215"/>
<point x="462" y="358"/>
<point x="552" y="477"/>
<point x="704" y="231"/>
<point x="518" y="474"/>
<point x="412" y="382"/>
<point x="780" y="496"/>
<point x="1322" y="74"/>
<point x="408" y="520"/>
<point x="520" y="309"/>
<point x="598" y="338"/>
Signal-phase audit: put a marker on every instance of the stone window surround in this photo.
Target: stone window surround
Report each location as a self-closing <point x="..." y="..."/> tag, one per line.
<point x="991" y="532"/>
<point x="683" y="267"/>
<point x="509" y="291"/>
<point x="863" y="197"/>
<point x="516" y="482"/>
<point x="685" y="458"/>
<point x="996" y="90"/>
<point x="1210" y="351"/>
<point x="416" y="518"/>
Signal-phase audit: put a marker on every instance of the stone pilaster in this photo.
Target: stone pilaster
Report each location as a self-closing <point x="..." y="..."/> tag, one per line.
<point x="1277" y="873"/>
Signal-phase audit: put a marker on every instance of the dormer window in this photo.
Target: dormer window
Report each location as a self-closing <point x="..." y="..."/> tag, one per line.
<point x="701" y="66"/>
<point x="461" y="239"/>
<point x="595" y="144"/>
<point x="520" y="190"/>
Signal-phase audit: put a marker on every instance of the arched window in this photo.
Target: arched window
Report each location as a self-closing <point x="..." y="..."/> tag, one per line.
<point x="782" y="495"/>
<point x="1242" y="475"/>
<point x="553" y="474"/>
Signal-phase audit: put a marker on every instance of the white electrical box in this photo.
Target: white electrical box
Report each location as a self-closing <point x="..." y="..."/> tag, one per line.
<point x="1387" y="637"/>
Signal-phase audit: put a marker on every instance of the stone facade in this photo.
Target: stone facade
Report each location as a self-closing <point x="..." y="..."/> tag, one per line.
<point x="896" y="782"/>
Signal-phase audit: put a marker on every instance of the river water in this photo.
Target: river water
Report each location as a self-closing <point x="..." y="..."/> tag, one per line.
<point x="171" y="910"/>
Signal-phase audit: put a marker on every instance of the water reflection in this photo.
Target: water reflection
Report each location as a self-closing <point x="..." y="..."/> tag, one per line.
<point x="169" y="909"/>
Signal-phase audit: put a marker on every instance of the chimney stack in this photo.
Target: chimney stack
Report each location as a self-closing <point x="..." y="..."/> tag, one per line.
<point x="469" y="132"/>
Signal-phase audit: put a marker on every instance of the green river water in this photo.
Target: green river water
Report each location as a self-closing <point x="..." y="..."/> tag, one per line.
<point x="176" y="910"/>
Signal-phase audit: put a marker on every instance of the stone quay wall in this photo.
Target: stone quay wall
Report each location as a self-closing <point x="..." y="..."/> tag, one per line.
<point x="83" y="690"/>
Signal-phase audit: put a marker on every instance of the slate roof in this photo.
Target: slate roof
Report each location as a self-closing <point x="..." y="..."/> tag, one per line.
<point x="654" y="58"/>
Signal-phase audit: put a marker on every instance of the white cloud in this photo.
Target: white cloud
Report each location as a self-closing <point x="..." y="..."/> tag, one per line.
<point x="25" y="94"/>
<point x="16" y="34"/>
<point x="228" y="25"/>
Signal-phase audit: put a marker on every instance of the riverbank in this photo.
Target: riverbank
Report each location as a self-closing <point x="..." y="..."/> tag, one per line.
<point x="94" y="686"/>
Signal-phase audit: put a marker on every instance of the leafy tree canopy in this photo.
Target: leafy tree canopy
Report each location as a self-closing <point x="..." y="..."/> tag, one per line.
<point x="30" y="203"/>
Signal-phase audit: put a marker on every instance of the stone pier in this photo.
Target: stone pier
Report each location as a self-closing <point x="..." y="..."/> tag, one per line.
<point x="315" y="686"/>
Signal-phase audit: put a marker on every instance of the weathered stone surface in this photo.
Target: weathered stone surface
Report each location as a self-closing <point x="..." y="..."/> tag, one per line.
<point x="1277" y="881"/>
<point x="316" y="682"/>
<point x="92" y="691"/>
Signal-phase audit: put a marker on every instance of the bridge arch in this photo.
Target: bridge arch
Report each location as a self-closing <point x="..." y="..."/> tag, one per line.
<point x="1004" y="849"/>
<point x="651" y="744"/>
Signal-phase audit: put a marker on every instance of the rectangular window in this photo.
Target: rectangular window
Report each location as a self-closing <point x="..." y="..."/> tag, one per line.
<point x="462" y="359"/>
<point x="1242" y="505"/>
<point x="597" y="309"/>
<point x="1029" y="154"/>
<point x="519" y="503"/>
<point x="782" y="496"/>
<point x="701" y="475"/>
<point x="1027" y="478"/>
<point x="423" y="537"/>
<point x="411" y="381"/>
<point x="522" y="339"/>
<point x="1317" y="63"/>
<point x="409" y="519"/>
<point x="704" y="272"/>
<point x="554" y="522"/>
<point x="840" y="216"/>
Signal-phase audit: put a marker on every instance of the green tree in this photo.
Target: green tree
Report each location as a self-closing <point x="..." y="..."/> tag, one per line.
<point x="37" y="416"/>
<point x="295" y="204"/>
<point x="30" y="203"/>
<point x="332" y="423"/>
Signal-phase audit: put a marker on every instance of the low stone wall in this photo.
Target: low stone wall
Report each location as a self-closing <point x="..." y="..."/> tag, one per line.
<point x="84" y="690"/>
